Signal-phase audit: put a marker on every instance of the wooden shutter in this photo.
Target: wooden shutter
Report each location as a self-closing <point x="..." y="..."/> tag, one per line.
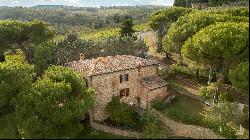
<point x="127" y="92"/>
<point x="126" y="77"/>
<point x="121" y="78"/>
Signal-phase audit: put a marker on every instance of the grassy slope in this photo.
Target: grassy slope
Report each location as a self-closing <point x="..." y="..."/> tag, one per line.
<point x="186" y="110"/>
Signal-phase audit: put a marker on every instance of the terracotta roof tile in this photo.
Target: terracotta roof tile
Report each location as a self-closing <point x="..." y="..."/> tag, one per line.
<point x="101" y="65"/>
<point x="153" y="82"/>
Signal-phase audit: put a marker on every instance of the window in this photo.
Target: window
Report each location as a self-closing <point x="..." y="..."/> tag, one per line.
<point x="124" y="92"/>
<point x="126" y="77"/>
<point x="123" y="77"/>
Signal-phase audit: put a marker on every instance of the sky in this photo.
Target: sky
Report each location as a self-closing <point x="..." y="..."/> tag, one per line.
<point x="85" y="3"/>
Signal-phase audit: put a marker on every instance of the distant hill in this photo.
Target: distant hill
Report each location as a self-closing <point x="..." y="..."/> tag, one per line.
<point x="4" y="7"/>
<point x="49" y="6"/>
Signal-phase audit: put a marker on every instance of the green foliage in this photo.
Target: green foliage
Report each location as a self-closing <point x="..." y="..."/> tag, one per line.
<point x="188" y="25"/>
<point x="153" y="131"/>
<point x="187" y="3"/>
<point x="121" y="113"/>
<point x="90" y="133"/>
<point x="77" y="19"/>
<point x="225" y="97"/>
<point x="239" y="76"/>
<point x="14" y="78"/>
<point x="18" y="56"/>
<point x="102" y="33"/>
<point x="226" y="112"/>
<point x="245" y="117"/>
<point x="158" y="104"/>
<point x="223" y="130"/>
<point x="17" y="32"/>
<point x="194" y="72"/>
<point x="221" y="2"/>
<point x="43" y="57"/>
<point x="206" y="92"/>
<point x="54" y="105"/>
<point x="160" y="20"/>
<point x="20" y="35"/>
<point x="219" y="45"/>
<point x="8" y="127"/>
<point x="126" y="28"/>
<point x="67" y="51"/>
<point x="151" y="127"/>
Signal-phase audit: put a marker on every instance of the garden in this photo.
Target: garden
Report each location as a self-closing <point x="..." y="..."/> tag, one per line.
<point x="193" y="112"/>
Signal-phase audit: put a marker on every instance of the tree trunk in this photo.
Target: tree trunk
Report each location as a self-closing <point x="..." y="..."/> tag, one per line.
<point x="197" y="74"/>
<point x="27" y="52"/>
<point x="181" y="59"/>
<point x="210" y="75"/>
<point x="2" y="57"/>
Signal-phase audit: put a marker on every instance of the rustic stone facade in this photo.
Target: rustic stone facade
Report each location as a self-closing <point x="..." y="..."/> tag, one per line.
<point x="104" y="75"/>
<point x="199" y="5"/>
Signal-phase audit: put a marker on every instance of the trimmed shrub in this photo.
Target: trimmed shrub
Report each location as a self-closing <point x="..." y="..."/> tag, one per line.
<point x="198" y="73"/>
<point x="121" y="113"/>
<point x="152" y="127"/>
<point x="158" y="104"/>
<point x="205" y="92"/>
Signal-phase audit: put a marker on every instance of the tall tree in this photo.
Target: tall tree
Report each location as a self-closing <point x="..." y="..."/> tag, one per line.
<point x="239" y="76"/>
<point x="161" y="20"/>
<point x="54" y="105"/>
<point x="15" y="78"/>
<point x="127" y="27"/>
<point x="23" y="35"/>
<point x="188" y="25"/>
<point x="220" y="45"/>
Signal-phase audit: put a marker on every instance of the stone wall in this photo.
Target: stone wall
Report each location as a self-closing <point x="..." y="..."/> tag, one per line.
<point x="115" y="131"/>
<point x="108" y="85"/>
<point x="150" y="95"/>
<point x="192" y="131"/>
<point x="149" y="70"/>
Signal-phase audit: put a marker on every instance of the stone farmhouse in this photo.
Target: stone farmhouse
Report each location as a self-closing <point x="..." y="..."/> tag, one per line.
<point x="199" y="5"/>
<point x="131" y="78"/>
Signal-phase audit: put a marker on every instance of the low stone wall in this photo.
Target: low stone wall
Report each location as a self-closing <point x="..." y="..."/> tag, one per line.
<point x="180" y="129"/>
<point x="114" y="131"/>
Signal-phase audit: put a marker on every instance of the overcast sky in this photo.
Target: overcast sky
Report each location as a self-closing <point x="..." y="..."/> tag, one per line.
<point x="85" y="3"/>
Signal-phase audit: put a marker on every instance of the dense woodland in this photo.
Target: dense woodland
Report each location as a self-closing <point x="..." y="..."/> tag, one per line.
<point x="66" y="19"/>
<point x="40" y="98"/>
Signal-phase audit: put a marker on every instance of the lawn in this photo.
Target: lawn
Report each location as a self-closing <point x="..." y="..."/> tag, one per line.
<point x="190" y="111"/>
<point x="90" y="133"/>
<point x="186" y="110"/>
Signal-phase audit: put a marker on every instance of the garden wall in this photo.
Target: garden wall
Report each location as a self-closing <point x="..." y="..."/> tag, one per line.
<point x="114" y="131"/>
<point x="192" y="131"/>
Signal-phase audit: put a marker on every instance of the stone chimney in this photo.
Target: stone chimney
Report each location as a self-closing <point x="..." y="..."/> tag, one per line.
<point x="81" y="57"/>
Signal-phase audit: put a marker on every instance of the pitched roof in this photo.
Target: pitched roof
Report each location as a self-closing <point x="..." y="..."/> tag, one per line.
<point x="153" y="82"/>
<point x="101" y="65"/>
